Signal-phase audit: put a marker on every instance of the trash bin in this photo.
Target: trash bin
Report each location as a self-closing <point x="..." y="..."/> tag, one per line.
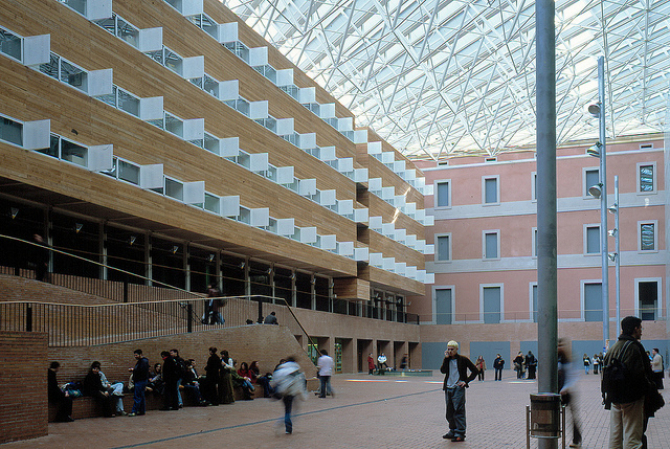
<point x="545" y="415"/>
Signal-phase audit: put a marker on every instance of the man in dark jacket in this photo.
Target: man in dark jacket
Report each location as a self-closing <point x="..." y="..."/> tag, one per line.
<point x="56" y="396"/>
<point x="171" y="376"/>
<point x="93" y="387"/>
<point x="627" y="415"/>
<point x="140" y="379"/>
<point x="455" y="369"/>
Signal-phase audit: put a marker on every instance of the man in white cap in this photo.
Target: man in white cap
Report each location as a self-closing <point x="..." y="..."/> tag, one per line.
<point x="455" y="369"/>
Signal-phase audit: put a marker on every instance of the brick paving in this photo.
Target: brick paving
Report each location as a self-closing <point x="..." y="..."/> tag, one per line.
<point x="366" y="412"/>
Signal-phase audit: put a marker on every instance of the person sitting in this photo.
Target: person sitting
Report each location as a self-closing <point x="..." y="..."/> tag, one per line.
<point x="155" y="384"/>
<point x="92" y="386"/>
<point x="191" y="382"/>
<point x="115" y="391"/>
<point x="56" y="396"/>
<point x="271" y="319"/>
<point x="263" y="381"/>
<point x="243" y="380"/>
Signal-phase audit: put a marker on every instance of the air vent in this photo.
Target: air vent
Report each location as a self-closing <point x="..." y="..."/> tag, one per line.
<point x="491" y="159"/>
<point x="443" y="163"/>
<point x="646" y="146"/>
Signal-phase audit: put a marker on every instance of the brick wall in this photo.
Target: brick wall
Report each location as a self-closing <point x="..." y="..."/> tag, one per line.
<point x="23" y="386"/>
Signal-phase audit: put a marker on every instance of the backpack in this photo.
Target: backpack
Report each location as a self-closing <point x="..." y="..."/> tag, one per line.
<point x="615" y="384"/>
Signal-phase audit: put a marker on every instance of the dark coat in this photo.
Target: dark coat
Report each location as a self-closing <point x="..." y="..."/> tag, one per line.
<point x="464" y="364"/>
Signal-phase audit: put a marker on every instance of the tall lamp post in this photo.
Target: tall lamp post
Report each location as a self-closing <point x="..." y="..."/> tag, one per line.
<point x="600" y="191"/>
<point x="616" y="256"/>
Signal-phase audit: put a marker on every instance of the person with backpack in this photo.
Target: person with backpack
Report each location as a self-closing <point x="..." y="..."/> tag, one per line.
<point x="626" y="381"/>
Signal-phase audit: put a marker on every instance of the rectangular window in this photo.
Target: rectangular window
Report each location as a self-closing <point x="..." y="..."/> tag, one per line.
<point x="491" y="245"/>
<point x="72" y="75"/>
<point x="11" y="131"/>
<point x="52" y="68"/>
<point x="74" y="153"/>
<point x="211" y="86"/>
<point x="647" y="299"/>
<point x="591" y="178"/>
<point x="646" y="178"/>
<point x="443" y="194"/>
<point x="533" y="193"/>
<point x="54" y="147"/>
<point x="127" y="32"/>
<point x="174" y="189"/>
<point x="534" y="303"/>
<point x="443" y="306"/>
<point x="10" y="44"/>
<point x="491" y="190"/>
<point x="77" y="5"/>
<point x="492" y="300"/>
<point x="174" y="125"/>
<point x="593" y="303"/>
<point x="173" y="61"/>
<point x="647" y="237"/>
<point x="128" y="102"/>
<point x="443" y="247"/>
<point x="592" y="240"/>
<point x="212" y="203"/>
<point x="534" y="242"/>
<point x="129" y="172"/>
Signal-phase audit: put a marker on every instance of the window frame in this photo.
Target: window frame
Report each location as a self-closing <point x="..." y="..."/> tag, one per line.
<point x="585" y="248"/>
<point x="20" y="38"/>
<point x="437" y="246"/>
<point x="436" y="184"/>
<point x="497" y="180"/>
<point x="585" y="188"/>
<point x="485" y="247"/>
<point x="638" y="185"/>
<point x="639" y="236"/>
<point x="534" y="237"/>
<point x="533" y="186"/>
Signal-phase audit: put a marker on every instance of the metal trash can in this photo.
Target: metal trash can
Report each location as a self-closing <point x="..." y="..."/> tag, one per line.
<point x="545" y="415"/>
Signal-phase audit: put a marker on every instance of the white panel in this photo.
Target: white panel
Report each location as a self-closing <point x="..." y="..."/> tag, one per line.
<point x="345" y="207"/>
<point x="345" y="164"/>
<point x="388" y="157"/>
<point x="327" y="154"/>
<point x="230" y="147"/>
<point x="410" y="175"/>
<point x="361" y="254"/>
<point x="375" y="184"/>
<point x="194" y="129"/>
<point x="329" y="242"/>
<point x="399" y="235"/>
<point x="259" y="216"/>
<point x="258" y="162"/>
<point x="193" y="67"/>
<point x="151" y="108"/>
<point x="307" y="95"/>
<point x="410" y="208"/>
<point x="361" y="215"/>
<point x="228" y="32"/>
<point x="360" y="136"/>
<point x="284" y="126"/>
<point x="284" y="77"/>
<point x="420" y="182"/>
<point x="101" y="157"/>
<point x="420" y="245"/>
<point x="399" y="200"/>
<point x="285" y="175"/>
<point x="98" y="9"/>
<point x="258" y="56"/>
<point x="230" y="206"/>
<point x="229" y="90"/>
<point x="286" y="226"/>
<point x="258" y="109"/>
<point x="307" y="141"/>
<point x="374" y="147"/>
<point x="400" y="267"/>
<point x="410" y="240"/>
<point x="388" y="192"/>
<point x="399" y="166"/>
<point x="429" y="220"/>
<point x="428" y="190"/>
<point x="194" y="192"/>
<point x="430" y="249"/>
<point x="151" y="39"/>
<point x="421" y="275"/>
<point x="361" y="175"/>
<point x="36" y="49"/>
<point x="345" y="248"/>
<point x="388" y="263"/>
<point x="37" y="134"/>
<point x="327" y="110"/>
<point x="420" y="215"/>
<point x="410" y="272"/>
<point x="100" y="82"/>
<point x="151" y="176"/>
<point x="307" y="187"/>
<point x="345" y="124"/>
<point x="388" y="229"/>
<point x="308" y="235"/>
<point x="376" y="259"/>
<point x="328" y="197"/>
<point x="191" y="7"/>
<point x="375" y="222"/>
<point x="430" y="278"/>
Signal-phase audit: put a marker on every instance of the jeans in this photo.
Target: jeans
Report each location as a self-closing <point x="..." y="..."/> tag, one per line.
<point x="288" y="406"/>
<point x="499" y="373"/>
<point x="325" y="386"/>
<point x="140" y="404"/>
<point x="626" y="425"/>
<point x="455" y="399"/>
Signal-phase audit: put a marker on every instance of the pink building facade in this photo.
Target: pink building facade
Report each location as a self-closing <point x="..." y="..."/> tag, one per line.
<point x="485" y="258"/>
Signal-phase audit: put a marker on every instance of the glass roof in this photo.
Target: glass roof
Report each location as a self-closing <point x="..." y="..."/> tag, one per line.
<point x="440" y="78"/>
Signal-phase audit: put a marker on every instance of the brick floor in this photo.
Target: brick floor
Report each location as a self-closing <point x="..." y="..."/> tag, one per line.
<point x="367" y="412"/>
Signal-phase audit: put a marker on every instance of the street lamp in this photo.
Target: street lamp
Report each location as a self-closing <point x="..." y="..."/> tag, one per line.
<point x="600" y="191"/>
<point x="616" y="233"/>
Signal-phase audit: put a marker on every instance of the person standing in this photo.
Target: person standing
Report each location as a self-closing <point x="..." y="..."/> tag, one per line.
<point x="371" y="364"/>
<point x="657" y="368"/>
<point x="587" y="363"/>
<point x="226" y="394"/>
<point x="140" y="379"/>
<point x="41" y="258"/>
<point x="381" y="367"/>
<point x="518" y="365"/>
<point x="481" y="366"/>
<point x="596" y="363"/>
<point x="212" y="373"/>
<point x="288" y="382"/>
<point x="56" y="396"/>
<point x="456" y="379"/>
<point x="498" y="366"/>
<point x="403" y="362"/>
<point x="627" y="417"/>
<point x="567" y="380"/>
<point x="171" y="375"/>
<point x="531" y="364"/>
<point x="325" y="365"/>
